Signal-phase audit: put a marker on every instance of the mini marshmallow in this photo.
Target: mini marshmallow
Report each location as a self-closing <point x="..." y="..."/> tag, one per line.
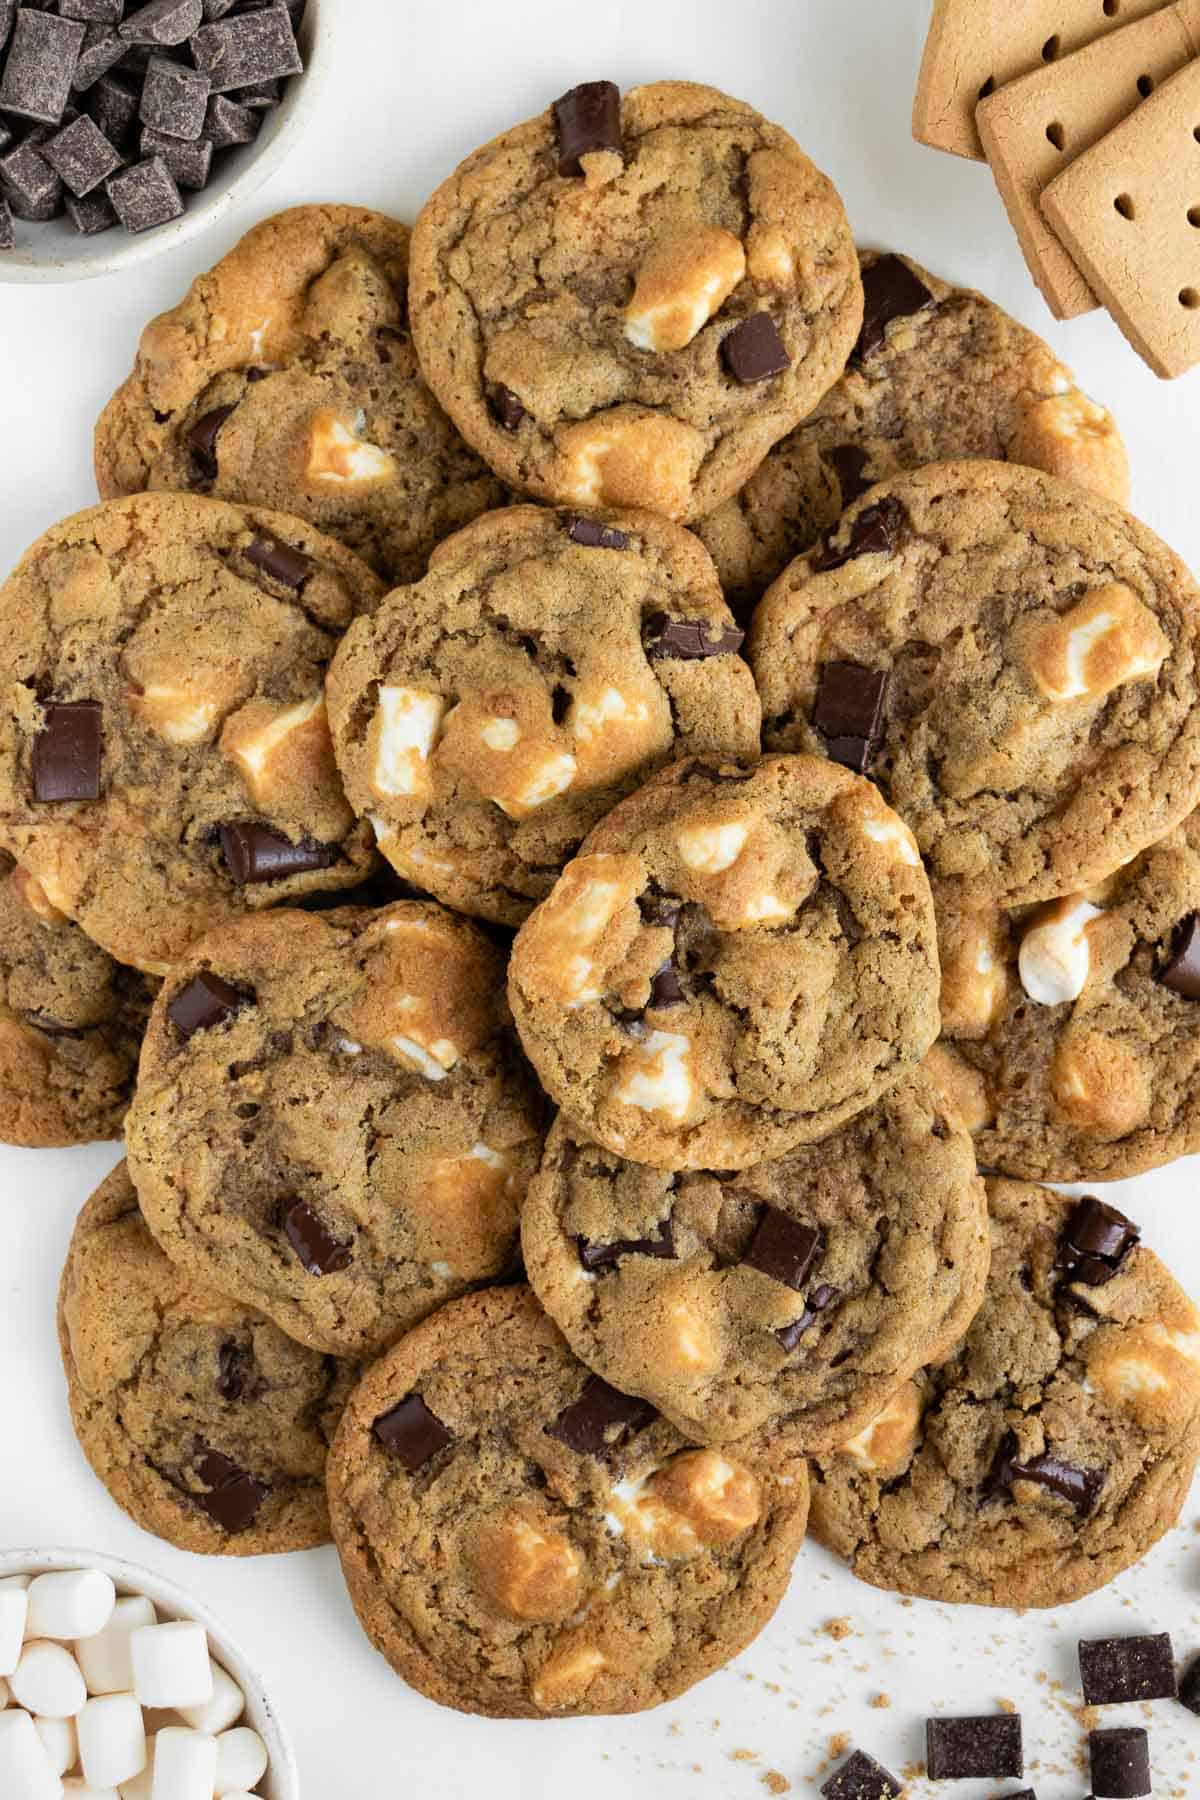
<point x="58" y="1741"/>
<point x="185" y="1765"/>
<point x="13" y="1612"/>
<point x="47" y="1681"/>
<point x="26" y="1772"/>
<point x="70" y="1604"/>
<point x="224" y="1709"/>
<point x="1054" y="958"/>
<point x="171" y="1665"/>
<point x="104" y="1659"/>
<point x="241" y="1760"/>
<point x="112" y="1740"/>
<point x="142" y="1786"/>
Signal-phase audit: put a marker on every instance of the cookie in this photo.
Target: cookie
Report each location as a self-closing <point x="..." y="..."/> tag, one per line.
<point x="939" y="373"/>
<point x="740" y="959"/>
<point x="522" y="1541"/>
<point x="71" y="1023"/>
<point x="627" y="302"/>
<point x="487" y="718"/>
<point x="165" y="762"/>
<point x="205" y="1423"/>
<point x="1070" y="1032"/>
<point x="286" y="378"/>
<point x="1011" y="660"/>
<point x="333" y="1122"/>
<point x="800" y="1293"/>
<point x="1055" y="1447"/>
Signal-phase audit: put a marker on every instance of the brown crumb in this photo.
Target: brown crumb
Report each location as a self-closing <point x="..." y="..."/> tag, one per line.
<point x="743" y="1756"/>
<point x="1089" y="1718"/>
<point x="839" y="1744"/>
<point x="838" y="1628"/>
<point x="775" y="1783"/>
<point x="913" y="1771"/>
<point x="881" y="1701"/>
<point x="1008" y="1706"/>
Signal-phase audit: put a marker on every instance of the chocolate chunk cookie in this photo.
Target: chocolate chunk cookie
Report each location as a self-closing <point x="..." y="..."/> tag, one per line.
<point x="204" y="1422"/>
<point x="626" y="302"/>
<point x="165" y="762"/>
<point x="739" y="960"/>
<point x="1012" y="660"/>
<point x="71" y="1023"/>
<point x="1070" y="1031"/>
<point x="521" y="1540"/>
<point x="333" y="1122"/>
<point x="485" y="719"/>
<point x="939" y="373"/>
<point x="801" y="1292"/>
<point x="287" y="378"/>
<point x="1055" y="1447"/>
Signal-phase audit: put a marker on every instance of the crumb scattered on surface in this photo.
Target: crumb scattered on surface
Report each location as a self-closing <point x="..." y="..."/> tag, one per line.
<point x="1089" y="1718"/>
<point x="838" y="1628"/>
<point x="775" y="1783"/>
<point x="881" y="1701"/>
<point x="1007" y="1706"/>
<point x="839" y="1744"/>
<point x="743" y="1756"/>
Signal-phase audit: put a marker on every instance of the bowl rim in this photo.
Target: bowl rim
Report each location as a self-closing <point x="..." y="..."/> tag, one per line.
<point x="178" y="1603"/>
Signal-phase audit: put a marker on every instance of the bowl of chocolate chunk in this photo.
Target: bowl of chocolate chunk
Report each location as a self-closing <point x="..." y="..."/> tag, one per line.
<point x="129" y="126"/>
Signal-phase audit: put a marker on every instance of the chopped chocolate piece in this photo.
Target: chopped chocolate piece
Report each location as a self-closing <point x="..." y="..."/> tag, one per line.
<point x="411" y="1433"/>
<point x="114" y="108"/>
<point x="230" y="1380"/>
<point x="1114" y="1670"/>
<point x="659" y="909"/>
<point x="31" y="184"/>
<point x="875" y="532"/>
<point x="506" y="408"/>
<point x="665" y="987"/>
<point x="1182" y="973"/>
<point x="1080" y="1486"/>
<point x="145" y="195"/>
<point x="861" y="1778"/>
<point x="892" y="291"/>
<point x="313" y="1242"/>
<point x="207" y="1000"/>
<point x="596" y="1422"/>
<point x="40" y="65"/>
<point x="81" y="155"/>
<point x="848" y="463"/>
<point x="174" y="98"/>
<point x="587" y="118"/>
<point x="962" y="1749"/>
<point x="190" y="163"/>
<point x="247" y="49"/>
<point x="689" y="640"/>
<point x="819" y="1301"/>
<point x="754" y="351"/>
<point x="216" y="9"/>
<point x="1120" y="1762"/>
<point x="235" y="1497"/>
<point x="102" y="51"/>
<point x="1096" y="1242"/>
<point x="256" y="853"/>
<point x="291" y="568"/>
<point x="595" y="536"/>
<point x="96" y="12"/>
<point x="202" y="440"/>
<point x="7" y="236"/>
<point x="227" y="123"/>
<point x="8" y="12"/>
<point x="261" y="97"/>
<point x="603" y="1256"/>
<point x="849" y="709"/>
<point x="783" y="1248"/>
<point x="163" y="22"/>
<point x="66" y="752"/>
<point x="1189" y="1686"/>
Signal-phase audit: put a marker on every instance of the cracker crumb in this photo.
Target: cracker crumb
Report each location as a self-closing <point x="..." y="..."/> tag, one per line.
<point x="881" y="1701"/>
<point x="839" y="1744"/>
<point x="1089" y="1718"/>
<point x="1007" y="1706"/>
<point x="838" y="1628"/>
<point x="775" y="1783"/>
<point x="743" y="1756"/>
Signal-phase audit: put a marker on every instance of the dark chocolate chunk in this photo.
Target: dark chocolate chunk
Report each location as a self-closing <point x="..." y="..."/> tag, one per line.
<point x="202" y="440"/>
<point x="1182" y="973"/>
<point x="227" y="123"/>
<point x="289" y="567"/>
<point x="587" y="118"/>
<point x="33" y="188"/>
<point x="603" y="1256"/>
<point x="163" y="22"/>
<point x="506" y="408"/>
<point x="594" y="535"/>
<point x="1081" y="1487"/>
<point x="1120" y="1762"/>
<point x="235" y="1497"/>
<point x="1189" y="1686"/>
<point x="962" y="1749"/>
<point x="596" y="1422"/>
<point x="216" y="9"/>
<point x="411" y="1433"/>
<point x="313" y="1242"/>
<point x="190" y="163"/>
<point x="66" y="752"/>
<point x="114" y="108"/>
<point x="892" y="291"/>
<point x="688" y="640"/>
<point x="248" y="49"/>
<point x="91" y="215"/>
<point x="206" y="1000"/>
<point x="1114" y="1670"/>
<point x="848" y="463"/>
<point x="260" y="97"/>
<point x="81" y="155"/>
<point x="819" y="1301"/>
<point x="8" y="12"/>
<point x="145" y="195"/>
<point x="40" y="65"/>
<point x="1096" y="1242"/>
<point x="875" y="532"/>
<point x="861" y="1778"/>
<point x="256" y="853"/>
<point x="95" y="12"/>
<point x="754" y="351"/>
<point x="174" y="98"/>
<point x="102" y="51"/>
<point x="659" y="909"/>
<point x="665" y="986"/>
<point x="7" y="235"/>
<point x="848" y="711"/>
<point x="230" y="1379"/>
<point x="783" y="1248"/>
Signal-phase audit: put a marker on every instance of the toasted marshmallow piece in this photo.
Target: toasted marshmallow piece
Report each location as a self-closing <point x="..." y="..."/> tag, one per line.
<point x="656" y="1077"/>
<point x="337" y="453"/>
<point x="178" y="714"/>
<point x="543" y="779"/>
<point x="709" y="849"/>
<point x="405" y="729"/>
<point x="526" y="1571"/>
<point x="628" y="457"/>
<point x="686" y="277"/>
<point x="1107" y="639"/>
<point x="887" y="1443"/>
<point x="566" y="1677"/>
<point x="1054" y="957"/>
<point x="895" y="833"/>
<point x="554" y="944"/>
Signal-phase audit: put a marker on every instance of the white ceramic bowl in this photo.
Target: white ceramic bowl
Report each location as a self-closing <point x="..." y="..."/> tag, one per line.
<point x="56" y="252"/>
<point x="282" y="1781"/>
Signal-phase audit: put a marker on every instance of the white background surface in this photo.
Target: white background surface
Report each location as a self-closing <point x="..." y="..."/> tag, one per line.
<point x="419" y="83"/>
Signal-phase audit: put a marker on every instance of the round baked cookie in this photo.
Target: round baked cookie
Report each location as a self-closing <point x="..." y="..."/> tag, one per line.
<point x="165" y="762"/>
<point x="741" y="958"/>
<point x="205" y="1423"/>
<point x="71" y="1023"/>
<point x="333" y="1121"/>
<point x="626" y="302"/>
<point x="286" y="378"/>
<point x="520" y="1540"/>
<point x="1071" y="1031"/>
<point x="1012" y="660"/>
<point x="485" y="719"/>
<point x="801" y="1292"/>
<point x="1055" y="1447"/>
<point x="939" y="373"/>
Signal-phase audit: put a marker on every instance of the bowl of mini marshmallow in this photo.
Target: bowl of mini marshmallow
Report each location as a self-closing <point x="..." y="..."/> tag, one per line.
<point x="116" y="1685"/>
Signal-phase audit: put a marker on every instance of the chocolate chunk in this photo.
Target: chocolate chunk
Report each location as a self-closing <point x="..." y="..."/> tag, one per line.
<point x="754" y="351"/>
<point x="314" y="1244"/>
<point x="1182" y="973"/>
<point x="819" y="1301"/>
<point x="875" y="532"/>
<point x="848" y="712"/>
<point x="1120" y="1762"/>
<point x="783" y="1248"/>
<point x="411" y="1433"/>
<point x="595" y="536"/>
<point x="163" y="22"/>
<point x="114" y="108"/>
<point x="33" y="188"/>
<point x="145" y="195"/>
<point x="81" y="155"/>
<point x="658" y="908"/>
<point x="206" y="1000"/>
<point x="861" y="1778"/>
<point x="230" y="1380"/>
<point x="283" y="564"/>
<point x="8" y="12"/>
<point x="256" y="853"/>
<point x="260" y="97"/>
<point x="603" y="1256"/>
<point x="95" y="12"/>
<point x="91" y="215"/>
<point x="848" y="463"/>
<point x="7" y="235"/>
<point x="962" y="1749"/>
<point x="1114" y="1670"/>
<point x="665" y="987"/>
<point x="202" y="440"/>
<point x="235" y="1498"/>
<point x="1079" y="1486"/>
<point x="40" y="65"/>
<point x="599" y="1419"/>
<point x="1189" y="1686"/>
<point x="688" y="640"/>
<point x="587" y="118"/>
<point x="66" y="752"/>
<point x="227" y="123"/>
<point x="102" y="51"/>
<point x="190" y="164"/>
<point x="243" y="51"/>
<point x="892" y="291"/>
<point x="1096" y="1242"/>
<point x="174" y="98"/>
<point x="506" y="408"/>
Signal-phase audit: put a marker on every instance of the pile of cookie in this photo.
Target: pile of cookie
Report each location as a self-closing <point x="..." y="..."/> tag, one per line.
<point x="561" y="1275"/>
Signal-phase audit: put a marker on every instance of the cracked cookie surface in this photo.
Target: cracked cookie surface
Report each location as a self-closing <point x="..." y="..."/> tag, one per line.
<point x="521" y="1541"/>
<point x="333" y="1121"/>
<point x="286" y="378"/>
<point x="165" y="761"/>
<point x="204" y="1422"/>
<point x="801" y="1292"/>
<point x="939" y="373"/>
<point x="631" y="315"/>
<point x="739" y="959"/>
<point x="485" y="719"/>
<point x="1022" y="664"/>
<point x="1058" y="1443"/>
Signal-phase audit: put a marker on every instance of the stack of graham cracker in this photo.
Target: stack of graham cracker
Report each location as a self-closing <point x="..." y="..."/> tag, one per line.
<point x="1089" y="113"/>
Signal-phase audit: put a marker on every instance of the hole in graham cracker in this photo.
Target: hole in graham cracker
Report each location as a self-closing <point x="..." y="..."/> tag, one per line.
<point x="1057" y="136"/>
<point x="1189" y="297"/>
<point x="1051" y="48"/>
<point x="1145" y="86"/>
<point x="989" y="87"/>
<point x="1124" y="205"/>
